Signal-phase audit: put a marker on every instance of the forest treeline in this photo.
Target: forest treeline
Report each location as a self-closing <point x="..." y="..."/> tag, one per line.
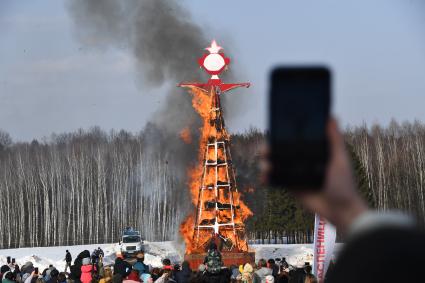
<point x="84" y="187"/>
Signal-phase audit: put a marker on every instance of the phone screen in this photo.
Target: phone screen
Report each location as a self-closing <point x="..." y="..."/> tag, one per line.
<point x="299" y="111"/>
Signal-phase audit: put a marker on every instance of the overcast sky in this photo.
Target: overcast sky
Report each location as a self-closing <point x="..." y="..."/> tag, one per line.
<point x="50" y="83"/>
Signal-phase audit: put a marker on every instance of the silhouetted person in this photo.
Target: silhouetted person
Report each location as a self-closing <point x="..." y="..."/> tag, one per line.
<point x="68" y="260"/>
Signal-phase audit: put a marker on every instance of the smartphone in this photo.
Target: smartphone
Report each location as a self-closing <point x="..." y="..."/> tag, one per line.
<point x="299" y="106"/>
<point x="8" y="260"/>
<point x="36" y="270"/>
<point x="13" y="261"/>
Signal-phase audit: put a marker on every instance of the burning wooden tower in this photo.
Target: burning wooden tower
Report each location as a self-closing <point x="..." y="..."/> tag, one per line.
<point x="220" y="213"/>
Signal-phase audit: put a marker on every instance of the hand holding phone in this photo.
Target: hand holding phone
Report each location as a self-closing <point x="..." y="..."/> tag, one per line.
<point x="299" y="112"/>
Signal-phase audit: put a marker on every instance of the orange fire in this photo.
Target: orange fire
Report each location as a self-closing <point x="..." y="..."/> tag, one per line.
<point x="185" y="135"/>
<point x="199" y="176"/>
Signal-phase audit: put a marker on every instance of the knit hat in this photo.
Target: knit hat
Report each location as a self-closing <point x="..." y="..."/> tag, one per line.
<point x="86" y="261"/>
<point x="145" y="277"/>
<point x="28" y="267"/>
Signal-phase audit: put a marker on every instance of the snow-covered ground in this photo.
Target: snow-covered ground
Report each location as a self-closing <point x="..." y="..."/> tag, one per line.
<point x="42" y="257"/>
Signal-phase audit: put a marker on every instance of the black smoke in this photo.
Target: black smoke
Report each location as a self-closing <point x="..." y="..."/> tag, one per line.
<point x="166" y="44"/>
<point x="161" y="36"/>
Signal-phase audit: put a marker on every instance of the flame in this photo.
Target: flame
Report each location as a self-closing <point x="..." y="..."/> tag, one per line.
<point x="185" y="135"/>
<point x="206" y="106"/>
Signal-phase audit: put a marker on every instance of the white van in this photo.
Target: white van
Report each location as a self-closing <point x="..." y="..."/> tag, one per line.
<point x="131" y="242"/>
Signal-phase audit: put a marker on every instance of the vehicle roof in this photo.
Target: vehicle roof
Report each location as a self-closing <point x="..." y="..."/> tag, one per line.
<point x="131" y="233"/>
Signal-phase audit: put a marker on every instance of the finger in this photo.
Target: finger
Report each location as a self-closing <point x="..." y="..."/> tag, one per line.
<point x="336" y="140"/>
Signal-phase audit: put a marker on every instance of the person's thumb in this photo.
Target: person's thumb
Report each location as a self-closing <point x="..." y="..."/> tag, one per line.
<point x="335" y="138"/>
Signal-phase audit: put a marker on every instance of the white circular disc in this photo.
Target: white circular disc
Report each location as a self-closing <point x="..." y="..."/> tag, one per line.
<point x="214" y="62"/>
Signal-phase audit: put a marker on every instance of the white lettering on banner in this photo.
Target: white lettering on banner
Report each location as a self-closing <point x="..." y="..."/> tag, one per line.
<point x="324" y="242"/>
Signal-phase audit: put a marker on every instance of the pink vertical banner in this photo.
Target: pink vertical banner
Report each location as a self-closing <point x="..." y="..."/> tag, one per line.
<point x="323" y="247"/>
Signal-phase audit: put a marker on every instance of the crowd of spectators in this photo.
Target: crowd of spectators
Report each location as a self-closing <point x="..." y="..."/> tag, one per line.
<point x="90" y="268"/>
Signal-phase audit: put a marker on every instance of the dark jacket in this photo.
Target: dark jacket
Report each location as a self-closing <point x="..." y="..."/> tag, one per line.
<point x="122" y="267"/>
<point x="212" y="278"/>
<point x="275" y="270"/>
<point x="380" y="256"/>
<point x="297" y="275"/>
<point x="183" y="276"/>
<point x="68" y="257"/>
<point x="282" y="278"/>
<point x="198" y="277"/>
<point x="53" y="276"/>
